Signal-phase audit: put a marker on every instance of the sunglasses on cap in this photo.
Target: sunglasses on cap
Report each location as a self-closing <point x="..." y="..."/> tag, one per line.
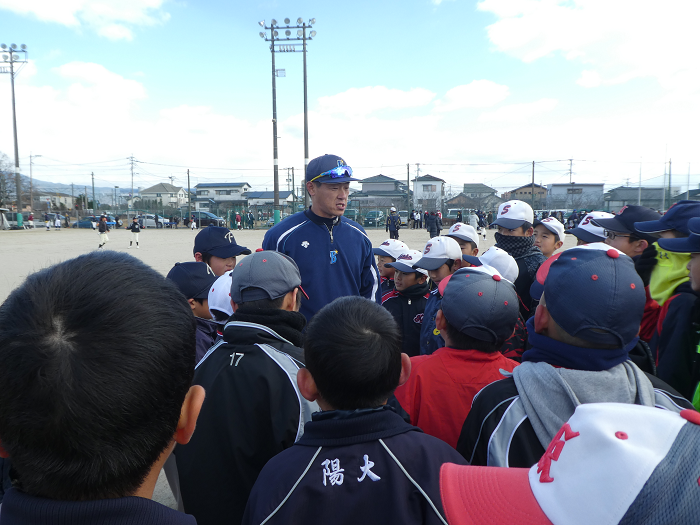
<point x="335" y="173"/>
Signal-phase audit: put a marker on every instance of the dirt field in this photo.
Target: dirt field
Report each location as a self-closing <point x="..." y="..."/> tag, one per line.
<point x="23" y="252"/>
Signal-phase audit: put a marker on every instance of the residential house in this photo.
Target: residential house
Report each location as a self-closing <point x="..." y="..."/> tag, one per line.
<point x="381" y="192"/>
<point x="576" y="196"/>
<point x="625" y="195"/>
<point x="164" y="195"/>
<point x="428" y="193"/>
<point x="50" y="200"/>
<point x="225" y="195"/>
<point x="525" y="193"/>
<point x="264" y="201"/>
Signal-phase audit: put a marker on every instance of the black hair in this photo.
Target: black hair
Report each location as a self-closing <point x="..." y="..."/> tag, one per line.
<point x="200" y="301"/>
<point x="526" y="226"/>
<point x="270" y="304"/>
<point x="219" y="315"/>
<point x="472" y="244"/>
<point x="206" y="257"/>
<point x="92" y="387"/>
<point x="352" y="348"/>
<point x="462" y="341"/>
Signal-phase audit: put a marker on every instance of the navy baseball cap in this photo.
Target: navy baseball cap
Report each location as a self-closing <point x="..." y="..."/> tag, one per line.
<point x="327" y="169"/>
<point x="264" y="275"/>
<point x="193" y="279"/>
<point x="690" y="244"/>
<point x="480" y="305"/>
<point x="675" y="218"/>
<point x="219" y="242"/>
<point x="624" y="221"/>
<point x="609" y="294"/>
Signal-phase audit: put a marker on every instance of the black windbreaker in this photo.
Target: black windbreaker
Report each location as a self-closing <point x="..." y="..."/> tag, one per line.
<point x="407" y="307"/>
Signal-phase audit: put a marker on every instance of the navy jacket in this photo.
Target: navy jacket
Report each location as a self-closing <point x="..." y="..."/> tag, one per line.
<point x="393" y="223"/>
<point x="408" y="308"/>
<point x="19" y="508"/>
<point x="334" y="257"/>
<point x="354" y="467"/>
<point x="429" y="340"/>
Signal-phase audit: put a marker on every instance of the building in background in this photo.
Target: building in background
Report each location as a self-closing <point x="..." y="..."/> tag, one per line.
<point x="625" y="195"/>
<point x="164" y="195"/>
<point x="219" y="197"/>
<point x="575" y="196"/>
<point x="525" y="193"/>
<point x="380" y="192"/>
<point x="428" y="193"/>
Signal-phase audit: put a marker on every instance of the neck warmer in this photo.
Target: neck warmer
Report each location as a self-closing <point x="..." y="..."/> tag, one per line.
<point x="417" y="290"/>
<point x="522" y="248"/>
<point x="670" y="271"/>
<point x="556" y="353"/>
<point x="322" y="220"/>
<point x="287" y="324"/>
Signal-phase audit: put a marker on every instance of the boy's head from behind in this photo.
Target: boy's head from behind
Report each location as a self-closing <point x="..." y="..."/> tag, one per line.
<point x="93" y="397"/>
<point x="352" y="350"/>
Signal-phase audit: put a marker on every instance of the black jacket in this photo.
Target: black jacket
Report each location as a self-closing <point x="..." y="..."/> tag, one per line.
<point x="354" y="467"/>
<point x="407" y="307"/>
<point x="253" y="410"/>
<point x="393" y="222"/>
<point x="496" y="412"/>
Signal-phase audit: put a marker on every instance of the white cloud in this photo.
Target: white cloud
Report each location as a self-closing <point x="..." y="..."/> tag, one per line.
<point x="366" y="100"/>
<point x="589" y="79"/>
<point x="519" y="112"/>
<point x="476" y="94"/>
<point x="622" y="40"/>
<point x="112" y="19"/>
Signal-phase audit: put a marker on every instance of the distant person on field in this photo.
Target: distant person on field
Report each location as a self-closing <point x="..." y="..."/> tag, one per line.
<point x="112" y="394"/>
<point x="393" y="224"/>
<point x="135" y="229"/>
<point x="103" y="229"/>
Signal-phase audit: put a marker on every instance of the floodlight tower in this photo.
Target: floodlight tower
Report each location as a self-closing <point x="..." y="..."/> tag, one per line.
<point x="12" y="56"/>
<point x="286" y="47"/>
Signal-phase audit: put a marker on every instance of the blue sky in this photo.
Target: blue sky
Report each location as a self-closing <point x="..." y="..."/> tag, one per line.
<point x="471" y="90"/>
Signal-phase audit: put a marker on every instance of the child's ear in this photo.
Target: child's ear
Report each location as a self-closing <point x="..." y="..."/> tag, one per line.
<point x="405" y="369"/>
<point x="307" y="385"/>
<point x="558" y="245"/>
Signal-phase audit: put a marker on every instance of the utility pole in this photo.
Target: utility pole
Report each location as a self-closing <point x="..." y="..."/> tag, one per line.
<point x="533" y="185"/>
<point x="294" y="197"/>
<point x="669" y="182"/>
<point x="31" y="181"/>
<point x="639" y="193"/>
<point x="415" y="185"/>
<point x="571" y="165"/>
<point x="72" y="198"/>
<point x="189" y="197"/>
<point x="94" y="202"/>
<point x="687" y="193"/>
<point x="85" y="199"/>
<point x="132" y="186"/>
<point x="408" y="188"/>
<point x="13" y="58"/>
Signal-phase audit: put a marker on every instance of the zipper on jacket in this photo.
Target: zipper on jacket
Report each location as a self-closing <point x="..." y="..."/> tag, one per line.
<point x="330" y="232"/>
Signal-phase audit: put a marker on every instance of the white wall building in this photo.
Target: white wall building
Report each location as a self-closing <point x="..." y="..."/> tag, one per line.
<point x="428" y="193"/>
<point x="165" y="194"/>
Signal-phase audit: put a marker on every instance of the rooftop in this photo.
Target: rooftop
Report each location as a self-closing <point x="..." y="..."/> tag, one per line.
<point x="162" y="187"/>
<point x="222" y="185"/>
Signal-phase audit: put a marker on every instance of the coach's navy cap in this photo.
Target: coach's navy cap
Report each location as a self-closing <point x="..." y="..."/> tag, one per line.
<point x="609" y="293"/>
<point x="328" y="168"/>
<point x="624" y="221"/>
<point x="219" y="242"/>
<point x="264" y="275"/>
<point x="675" y="218"/>
<point x="690" y="244"/>
<point x="193" y="279"/>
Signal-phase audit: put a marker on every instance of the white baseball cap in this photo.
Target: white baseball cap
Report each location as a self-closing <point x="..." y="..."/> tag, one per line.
<point x="391" y="248"/>
<point x="220" y="295"/>
<point x="496" y="258"/>
<point x="589" y="232"/>
<point x="464" y="232"/>
<point x="610" y="463"/>
<point x="405" y="261"/>
<point x="437" y="252"/>
<point x="392" y="209"/>
<point x="554" y="226"/>
<point x="512" y="214"/>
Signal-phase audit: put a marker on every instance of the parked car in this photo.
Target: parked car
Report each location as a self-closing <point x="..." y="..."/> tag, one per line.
<point x="148" y="220"/>
<point x="205" y="218"/>
<point x="11" y="217"/>
<point x="352" y="213"/>
<point x="85" y="222"/>
<point x="403" y="215"/>
<point x="374" y="218"/>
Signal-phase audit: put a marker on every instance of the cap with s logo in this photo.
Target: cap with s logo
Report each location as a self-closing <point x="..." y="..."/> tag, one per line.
<point x="553" y="225"/>
<point x="610" y="464"/>
<point x="513" y="214"/>
<point x="587" y="230"/>
<point x="465" y="232"/>
<point x="391" y="248"/>
<point x="437" y="252"/>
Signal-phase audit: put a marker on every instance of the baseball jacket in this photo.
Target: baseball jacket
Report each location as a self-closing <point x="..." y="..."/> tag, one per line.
<point x="334" y="257"/>
<point x="252" y="411"/>
<point x="499" y="430"/>
<point x="675" y="342"/>
<point x="134" y="227"/>
<point x="439" y="392"/>
<point x="365" y="466"/>
<point x="205" y="336"/>
<point x="393" y="222"/>
<point x="407" y="308"/>
<point x="19" y="508"/>
<point x="429" y="339"/>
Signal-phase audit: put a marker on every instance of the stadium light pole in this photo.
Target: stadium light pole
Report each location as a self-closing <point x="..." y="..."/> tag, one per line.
<point x="282" y="45"/>
<point x="11" y="55"/>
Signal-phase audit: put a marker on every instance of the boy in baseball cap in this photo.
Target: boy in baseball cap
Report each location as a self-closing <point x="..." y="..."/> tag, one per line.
<point x="549" y="235"/>
<point x="441" y="257"/>
<point x="621" y="234"/>
<point x="254" y="409"/>
<point x="408" y="299"/>
<point x="219" y="301"/>
<point x="387" y="252"/>
<point x="194" y="279"/>
<point x="675" y="343"/>
<point x="466" y="237"/>
<point x="587" y="232"/>
<point x="515" y="235"/>
<point x="358" y="460"/>
<point x="579" y="354"/>
<point x="217" y="247"/>
<point x="477" y="315"/>
<point x="610" y="463"/>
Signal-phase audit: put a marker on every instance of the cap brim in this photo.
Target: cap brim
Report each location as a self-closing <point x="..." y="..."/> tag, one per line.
<point x="651" y="226"/>
<point x="612" y="224"/>
<point x="380" y="251"/>
<point x="232" y="250"/>
<point x="472" y="259"/>
<point x="511" y="224"/>
<point x="403" y="267"/>
<point x="461" y="237"/>
<point x="428" y="263"/>
<point x="683" y="245"/>
<point x="494" y="495"/>
<point x="584" y="235"/>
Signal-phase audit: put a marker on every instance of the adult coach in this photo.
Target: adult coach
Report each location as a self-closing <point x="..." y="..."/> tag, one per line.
<point x="333" y="253"/>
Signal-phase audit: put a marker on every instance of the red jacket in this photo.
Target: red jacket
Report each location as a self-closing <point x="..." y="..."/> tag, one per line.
<point x="438" y="395"/>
